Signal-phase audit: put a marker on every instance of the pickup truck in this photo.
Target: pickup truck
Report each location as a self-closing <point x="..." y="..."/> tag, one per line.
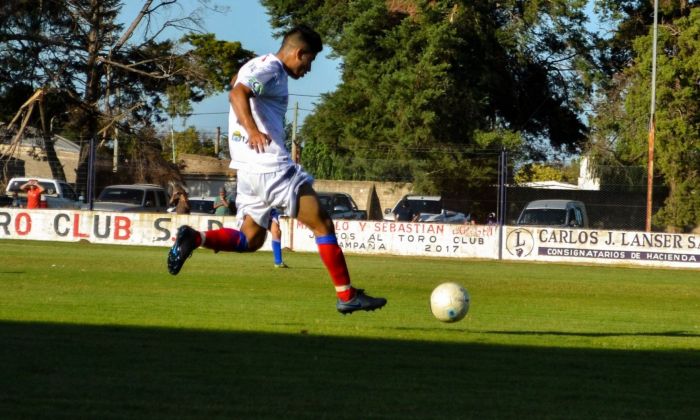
<point x="58" y="194"/>
<point x="340" y="206"/>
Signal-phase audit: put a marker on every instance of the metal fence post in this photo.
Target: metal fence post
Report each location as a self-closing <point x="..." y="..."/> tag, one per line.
<point x="91" y="174"/>
<point x="501" y="199"/>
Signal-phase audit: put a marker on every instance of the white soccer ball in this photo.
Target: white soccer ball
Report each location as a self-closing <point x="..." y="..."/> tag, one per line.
<point x="449" y="302"/>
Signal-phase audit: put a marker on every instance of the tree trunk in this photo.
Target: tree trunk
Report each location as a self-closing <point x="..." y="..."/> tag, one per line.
<point x="92" y="95"/>
<point x="55" y="165"/>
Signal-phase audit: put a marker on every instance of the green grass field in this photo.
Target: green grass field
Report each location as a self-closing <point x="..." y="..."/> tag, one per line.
<point x="89" y="331"/>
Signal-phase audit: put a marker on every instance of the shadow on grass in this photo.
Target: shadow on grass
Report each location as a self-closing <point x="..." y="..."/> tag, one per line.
<point x="457" y="331"/>
<point x="681" y="334"/>
<point x="78" y="371"/>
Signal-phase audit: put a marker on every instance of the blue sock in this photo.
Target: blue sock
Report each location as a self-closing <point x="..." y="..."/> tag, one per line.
<point x="277" y="251"/>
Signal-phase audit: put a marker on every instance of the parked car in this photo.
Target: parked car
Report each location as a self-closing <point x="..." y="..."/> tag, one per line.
<point x="202" y="205"/>
<point x="58" y="194"/>
<point x="132" y="198"/>
<point x="341" y="206"/>
<point x="427" y="208"/>
<point x="5" y="201"/>
<point x="559" y="213"/>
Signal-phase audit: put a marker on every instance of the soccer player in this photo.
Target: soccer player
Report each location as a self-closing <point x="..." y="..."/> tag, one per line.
<point x="267" y="176"/>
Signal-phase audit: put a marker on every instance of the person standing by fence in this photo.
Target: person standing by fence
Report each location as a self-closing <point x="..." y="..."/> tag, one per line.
<point x="34" y="191"/>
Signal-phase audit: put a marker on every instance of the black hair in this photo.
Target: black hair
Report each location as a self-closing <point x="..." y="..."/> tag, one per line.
<point x="305" y="35"/>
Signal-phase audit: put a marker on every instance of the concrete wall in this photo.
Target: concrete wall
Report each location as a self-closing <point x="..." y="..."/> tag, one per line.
<point x="387" y="193"/>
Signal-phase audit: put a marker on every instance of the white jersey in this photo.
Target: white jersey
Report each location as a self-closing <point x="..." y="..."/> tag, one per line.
<point x="266" y="78"/>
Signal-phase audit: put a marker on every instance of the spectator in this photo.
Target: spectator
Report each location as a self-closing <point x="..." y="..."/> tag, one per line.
<point x="491" y="219"/>
<point x="403" y="212"/>
<point x="34" y="191"/>
<point x="222" y="206"/>
<point x="180" y="201"/>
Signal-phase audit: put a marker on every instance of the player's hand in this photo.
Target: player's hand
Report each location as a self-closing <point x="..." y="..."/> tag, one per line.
<point x="258" y="141"/>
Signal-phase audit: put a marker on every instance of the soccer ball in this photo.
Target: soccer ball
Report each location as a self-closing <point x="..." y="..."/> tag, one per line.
<point x="449" y="302"/>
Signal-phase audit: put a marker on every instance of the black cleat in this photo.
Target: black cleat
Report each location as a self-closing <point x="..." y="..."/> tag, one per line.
<point x="181" y="249"/>
<point x="361" y="302"/>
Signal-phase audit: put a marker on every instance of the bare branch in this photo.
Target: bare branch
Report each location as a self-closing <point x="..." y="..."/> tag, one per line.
<point x="131" y="69"/>
<point x="126" y="35"/>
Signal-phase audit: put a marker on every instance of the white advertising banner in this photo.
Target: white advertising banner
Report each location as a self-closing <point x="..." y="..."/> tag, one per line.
<point x="373" y="237"/>
<point x="602" y="247"/>
<point x="398" y="238"/>
<point x="157" y="229"/>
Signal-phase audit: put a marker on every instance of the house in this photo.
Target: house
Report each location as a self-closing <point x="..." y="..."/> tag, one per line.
<point x="28" y="156"/>
<point x="204" y="175"/>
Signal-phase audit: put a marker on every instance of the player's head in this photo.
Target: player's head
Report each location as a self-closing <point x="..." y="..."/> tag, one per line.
<point x="299" y="48"/>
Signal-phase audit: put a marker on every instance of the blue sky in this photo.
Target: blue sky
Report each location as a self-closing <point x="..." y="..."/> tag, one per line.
<point x="245" y="21"/>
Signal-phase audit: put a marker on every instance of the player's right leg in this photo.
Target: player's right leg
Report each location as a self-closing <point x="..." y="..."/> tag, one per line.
<point x="248" y="239"/>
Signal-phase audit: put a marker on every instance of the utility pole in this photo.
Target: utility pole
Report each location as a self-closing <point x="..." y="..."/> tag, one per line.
<point x="115" y="144"/>
<point x="172" y="138"/>
<point x="652" y="123"/>
<point x="216" y="141"/>
<point x="295" y="147"/>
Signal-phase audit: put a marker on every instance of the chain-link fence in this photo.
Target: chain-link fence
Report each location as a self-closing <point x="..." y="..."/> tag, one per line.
<point x="615" y="198"/>
<point x="618" y="201"/>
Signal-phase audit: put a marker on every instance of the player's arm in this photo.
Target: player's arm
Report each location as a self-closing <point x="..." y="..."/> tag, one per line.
<point x="240" y="96"/>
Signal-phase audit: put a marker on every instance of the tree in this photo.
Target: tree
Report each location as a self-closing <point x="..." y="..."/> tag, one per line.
<point x="622" y="122"/>
<point x="188" y="141"/>
<point x="535" y="172"/>
<point x="423" y="81"/>
<point x="97" y="74"/>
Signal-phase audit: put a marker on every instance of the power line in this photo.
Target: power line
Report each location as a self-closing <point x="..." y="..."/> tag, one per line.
<point x="226" y="112"/>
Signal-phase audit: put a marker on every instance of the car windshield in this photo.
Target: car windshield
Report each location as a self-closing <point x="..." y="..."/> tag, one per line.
<point x="69" y="192"/>
<point x="121" y="195"/>
<point x="545" y="217"/>
<point x="201" y="206"/>
<point x="326" y="203"/>
<point x="425" y="206"/>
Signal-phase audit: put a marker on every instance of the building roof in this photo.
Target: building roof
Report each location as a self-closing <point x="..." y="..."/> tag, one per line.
<point x="204" y="165"/>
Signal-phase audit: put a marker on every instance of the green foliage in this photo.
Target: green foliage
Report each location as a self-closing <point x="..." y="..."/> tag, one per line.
<point x="218" y="60"/>
<point x="538" y="172"/>
<point x="424" y="80"/>
<point x="178" y="101"/>
<point x="623" y="118"/>
<point x="188" y="141"/>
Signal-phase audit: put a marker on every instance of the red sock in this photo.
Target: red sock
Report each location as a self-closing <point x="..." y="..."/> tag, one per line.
<point x="334" y="260"/>
<point x="225" y="239"/>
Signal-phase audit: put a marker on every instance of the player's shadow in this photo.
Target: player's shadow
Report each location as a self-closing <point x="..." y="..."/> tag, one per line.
<point x="91" y="371"/>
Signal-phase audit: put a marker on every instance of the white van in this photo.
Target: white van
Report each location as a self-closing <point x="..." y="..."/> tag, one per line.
<point x="58" y="194"/>
<point x="559" y="213"/>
